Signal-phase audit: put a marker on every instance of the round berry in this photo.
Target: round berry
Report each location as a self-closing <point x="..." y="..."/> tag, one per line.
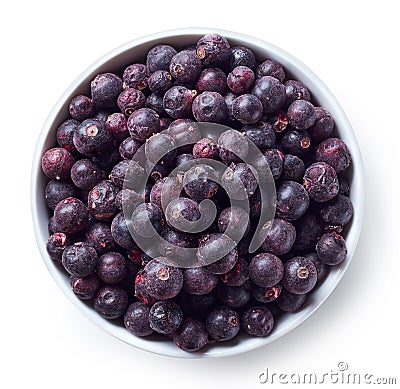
<point x="112" y="267"/>
<point x="200" y="182"/>
<point x="213" y="49"/>
<point x="71" y="215"/>
<point x="212" y="80"/>
<point x="165" y="317"/>
<point x="209" y="107"/>
<point x="136" y="319"/>
<point x="239" y="181"/>
<point x="300" y="275"/>
<point x="56" y="245"/>
<point x="240" y="79"/>
<point x="271" y="93"/>
<point x="321" y="182"/>
<point x="199" y="280"/>
<point x="159" y="57"/>
<point x="177" y="101"/>
<point x="85" y="174"/>
<point x="296" y="142"/>
<point x="57" y="191"/>
<point x="185" y="66"/>
<point x="85" y="288"/>
<point x="293" y="168"/>
<point x="160" y="81"/>
<point x="129" y="147"/>
<point x="331" y="249"/>
<point x="233" y="296"/>
<point x="111" y="302"/>
<point x="57" y="163"/>
<point x="117" y="124"/>
<point x="292" y="201"/>
<point x="120" y="232"/>
<point x="266" y="270"/>
<point x="65" y="135"/>
<point x="238" y="275"/>
<point x="131" y="99"/>
<point x="271" y="68"/>
<point x="258" y="321"/>
<point x="290" y="302"/>
<point x="323" y="126"/>
<point x="263" y="136"/>
<point x="136" y="76"/>
<point x="143" y="123"/>
<point x="223" y="324"/>
<point x="98" y="235"/>
<point x="101" y="200"/>
<point x="301" y="114"/>
<point x="191" y="335"/>
<point x="80" y="259"/>
<point x="274" y="158"/>
<point x="241" y="56"/>
<point x="105" y="89"/>
<point x="81" y="108"/>
<point x="280" y="237"/>
<point x="266" y="295"/>
<point x="247" y="109"/>
<point x="295" y="90"/>
<point x="334" y="152"/>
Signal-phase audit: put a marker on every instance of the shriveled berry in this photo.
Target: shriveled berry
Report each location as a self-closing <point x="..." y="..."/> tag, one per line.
<point x="70" y="215"/>
<point x="280" y="237"/>
<point x="79" y="259"/>
<point x="266" y="295"/>
<point x="271" y="93"/>
<point x="136" y="76"/>
<point x="323" y="126"/>
<point x="191" y="335"/>
<point x="300" y="275"/>
<point x="331" y="249"/>
<point x="131" y="99"/>
<point x="124" y="168"/>
<point x="117" y="124"/>
<point x="334" y="152"/>
<point x="81" y="108"/>
<point x="258" y="321"/>
<point x="85" y="288"/>
<point x="129" y="147"/>
<point x="271" y="68"/>
<point x="180" y="212"/>
<point x="212" y="80"/>
<point x="213" y="49"/>
<point x="233" y="296"/>
<point x="338" y="212"/>
<point x="57" y="163"/>
<point x="238" y="275"/>
<point x="56" y="245"/>
<point x="98" y="235"/>
<point x="101" y="200"/>
<point x="223" y="324"/>
<point x="105" y="89"/>
<point x="266" y="270"/>
<point x="239" y="181"/>
<point x="165" y="317"/>
<point x="111" y="302"/>
<point x="274" y="158"/>
<point x="296" y="142"/>
<point x="240" y="79"/>
<point x="136" y="319"/>
<point x="247" y="109"/>
<point x="295" y="90"/>
<point x="293" y="168"/>
<point x="143" y="123"/>
<point x="233" y="146"/>
<point x="291" y="201"/>
<point x="209" y="107"/>
<point x="159" y="57"/>
<point x="199" y="280"/>
<point x="200" y="182"/>
<point x="321" y="182"/>
<point x="160" y="81"/>
<point x="206" y="148"/>
<point x="57" y="191"/>
<point x="185" y="66"/>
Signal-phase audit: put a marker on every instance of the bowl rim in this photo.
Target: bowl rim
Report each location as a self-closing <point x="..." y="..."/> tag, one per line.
<point x="358" y="182"/>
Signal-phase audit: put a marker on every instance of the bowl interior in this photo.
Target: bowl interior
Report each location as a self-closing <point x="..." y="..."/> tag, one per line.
<point x="132" y="52"/>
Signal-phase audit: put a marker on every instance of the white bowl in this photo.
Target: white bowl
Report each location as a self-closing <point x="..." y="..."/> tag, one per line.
<point x="134" y="51"/>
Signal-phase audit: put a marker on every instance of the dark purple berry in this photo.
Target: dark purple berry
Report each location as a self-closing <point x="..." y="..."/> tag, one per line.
<point x="334" y="152"/>
<point x="172" y="243"/>
<point x="136" y="76"/>
<point x="164" y="191"/>
<point x="79" y="259"/>
<point x="290" y="302"/>
<point x="56" y="244"/>
<point x="234" y="222"/>
<point x="331" y="249"/>
<point x="85" y="288"/>
<point x="101" y="200"/>
<point x="241" y="56"/>
<point x="185" y="132"/>
<point x="111" y="267"/>
<point x="321" y="182"/>
<point x="338" y="212"/>
<point x="160" y="81"/>
<point x="143" y="123"/>
<point x="107" y="158"/>
<point x="238" y="275"/>
<point x="199" y="280"/>
<point x="57" y="163"/>
<point x="212" y="80"/>
<point x="322" y="269"/>
<point x="240" y="79"/>
<point x="159" y="57"/>
<point x="136" y="319"/>
<point x="213" y="50"/>
<point x="127" y="200"/>
<point x="271" y="68"/>
<point x="266" y="295"/>
<point x="301" y="114"/>
<point x="81" y="108"/>
<point x="159" y="147"/>
<point x="156" y="103"/>
<point x="57" y="191"/>
<point x="247" y="109"/>
<point x="280" y="237"/>
<point x="85" y="174"/>
<point x="271" y="93"/>
<point x="293" y="168"/>
<point x="65" y="135"/>
<point x="233" y="296"/>
<point x="121" y="169"/>
<point x="323" y="126"/>
<point x="344" y="185"/>
<point x="52" y="226"/>
<point x="291" y="200"/>
<point x="102" y="116"/>
<point x="91" y="137"/>
<point x="266" y="270"/>
<point x="239" y="181"/>
<point x="117" y="124"/>
<point x="129" y="147"/>
<point x="105" y="89"/>
<point x="295" y="90"/>
<point x="147" y="220"/>
<point x="111" y="302"/>
<point x="131" y="99"/>
<point x="308" y="230"/>
<point x="185" y="66"/>
<point x="158" y="171"/>
<point x="98" y="235"/>
<point x="165" y="317"/>
<point x="200" y="182"/>
<point x="70" y="215"/>
<point x="233" y="146"/>
<point x="274" y="158"/>
<point x="258" y="321"/>
<point x="180" y="211"/>
<point x="191" y="335"/>
<point x="263" y="136"/>
<point x="206" y="148"/>
<point x="223" y="324"/>
<point x="209" y="107"/>
<point x="300" y="275"/>
<point x="296" y="142"/>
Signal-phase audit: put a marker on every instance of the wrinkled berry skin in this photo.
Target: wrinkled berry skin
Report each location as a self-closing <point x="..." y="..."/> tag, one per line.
<point x="136" y="76"/>
<point x="271" y="93"/>
<point x="296" y="142"/>
<point x="98" y="235"/>
<point x="165" y="317"/>
<point x="213" y="50"/>
<point x="280" y="237"/>
<point x="56" y="244"/>
<point x="266" y="295"/>
<point x="331" y="249"/>
<point x="238" y="275"/>
<point x="258" y="321"/>
<point x="71" y="215"/>
<point x="241" y="56"/>
<point x="271" y="68"/>
<point x="293" y="168"/>
<point x="291" y="201"/>
<point x="212" y="80"/>
<point x="322" y="269"/>
<point x="143" y="123"/>
<point x="223" y="324"/>
<point x="191" y="335"/>
<point x="199" y="280"/>
<point x="162" y="281"/>
<point x="308" y="230"/>
<point x="323" y="126"/>
<point x="101" y="200"/>
<point x="321" y="182"/>
<point x="209" y="107"/>
<point x="129" y="147"/>
<point x="81" y="107"/>
<point x="239" y="180"/>
<point x="159" y="57"/>
<point x="105" y="89"/>
<point x="240" y="79"/>
<point x="85" y="174"/>
<point x="233" y="296"/>
<point x="185" y="66"/>
<point x="57" y="163"/>
<point x="131" y="99"/>
<point x="177" y="101"/>
<point x="338" y="212"/>
<point x="295" y="90"/>
<point x="91" y="137"/>
<point x="266" y="270"/>
<point x="136" y="319"/>
<point x="290" y="302"/>
<point x="334" y="152"/>
<point x="57" y="191"/>
<point x="85" y="288"/>
<point x="200" y="182"/>
<point x="263" y="136"/>
<point x="301" y="114"/>
<point x="111" y="302"/>
<point x="247" y="109"/>
<point x="112" y="267"/>
<point x="206" y="148"/>
<point x="80" y="259"/>
<point x="300" y="275"/>
<point x="65" y="134"/>
<point x="116" y="123"/>
<point x="274" y="158"/>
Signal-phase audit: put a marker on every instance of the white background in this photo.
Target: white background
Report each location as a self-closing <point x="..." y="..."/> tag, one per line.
<point x="353" y="46"/>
